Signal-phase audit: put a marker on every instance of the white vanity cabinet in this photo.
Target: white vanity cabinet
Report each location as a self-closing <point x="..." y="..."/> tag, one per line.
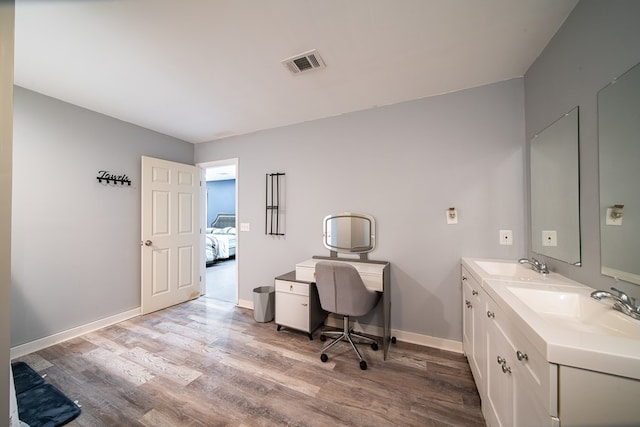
<point x="517" y="386"/>
<point x="520" y="383"/>
<point x="553" y="355"/>
<point x="474" y="330"/>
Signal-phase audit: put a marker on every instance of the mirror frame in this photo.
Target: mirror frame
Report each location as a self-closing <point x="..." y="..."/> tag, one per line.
<point x="327" y="233"/>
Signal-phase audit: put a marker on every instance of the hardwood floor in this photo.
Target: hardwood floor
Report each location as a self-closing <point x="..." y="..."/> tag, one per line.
<point x="221" y="280"/>
<point x="208" y="363"/>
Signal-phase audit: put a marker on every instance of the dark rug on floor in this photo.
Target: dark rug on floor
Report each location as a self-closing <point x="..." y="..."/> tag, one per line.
<point x="40" y="404"/>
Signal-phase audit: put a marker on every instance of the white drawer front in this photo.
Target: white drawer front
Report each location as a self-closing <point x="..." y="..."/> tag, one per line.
<point x="308" y="274"/>
<point x="292" y="287"/>
<point x="371" y="274"/>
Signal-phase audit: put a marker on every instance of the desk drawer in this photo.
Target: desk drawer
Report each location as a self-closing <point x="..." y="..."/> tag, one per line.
<point x="373" y="281"/>
<point x="307" y="274"/>
<point x="296" y="288"/>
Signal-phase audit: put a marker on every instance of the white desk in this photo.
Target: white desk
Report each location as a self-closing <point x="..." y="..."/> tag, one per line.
<point x="376" y="277"/>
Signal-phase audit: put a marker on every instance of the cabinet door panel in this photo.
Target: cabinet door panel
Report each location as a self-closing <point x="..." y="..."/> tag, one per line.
<point x="292" y="310"/>
<point x="529" y="408"/>
<point x="467" y="321"/>
<point x="499" y="383"/>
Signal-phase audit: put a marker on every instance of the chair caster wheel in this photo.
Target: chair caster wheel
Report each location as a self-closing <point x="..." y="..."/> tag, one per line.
<point x="393" y="340"/>
<point x="324" y="358"/>
<point x="374" y="346"/>
<point x="323" y="338"/>
<point x="363" y="365"/>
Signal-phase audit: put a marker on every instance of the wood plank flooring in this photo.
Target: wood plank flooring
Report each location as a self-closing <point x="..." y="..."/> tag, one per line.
<point x="208" y="363"/>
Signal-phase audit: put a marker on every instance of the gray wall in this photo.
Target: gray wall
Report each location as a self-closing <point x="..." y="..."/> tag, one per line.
<point x="598" y="42"/>
<point x="404" y="164"/>
<point x="76" y="243"/>
<point x="7" y="11"/>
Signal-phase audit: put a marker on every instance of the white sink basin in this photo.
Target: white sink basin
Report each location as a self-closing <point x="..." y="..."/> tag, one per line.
<point x="508" y="269"/>
<point x="577" y="311"/>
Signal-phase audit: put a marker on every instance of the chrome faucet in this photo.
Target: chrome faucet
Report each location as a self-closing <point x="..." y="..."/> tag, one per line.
<point x="623" y="302"/>
<point x="538" y="266"/>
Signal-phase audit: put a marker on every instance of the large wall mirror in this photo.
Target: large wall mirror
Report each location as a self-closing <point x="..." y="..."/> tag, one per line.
<point x="619" y="151"/>
<point x="555" y="199"/>
<point x="349" y="232"/>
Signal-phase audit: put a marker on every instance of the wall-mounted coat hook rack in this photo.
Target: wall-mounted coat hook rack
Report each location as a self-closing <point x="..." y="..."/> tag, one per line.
<point x="109" y="178"/>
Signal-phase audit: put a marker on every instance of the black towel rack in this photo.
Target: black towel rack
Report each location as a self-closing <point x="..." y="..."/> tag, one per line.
<point x="272" y="226"/>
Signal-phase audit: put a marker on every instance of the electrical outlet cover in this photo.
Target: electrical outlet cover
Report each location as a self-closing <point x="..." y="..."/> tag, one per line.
<point x="549" y="238"/>
<point x="506" y="237"/>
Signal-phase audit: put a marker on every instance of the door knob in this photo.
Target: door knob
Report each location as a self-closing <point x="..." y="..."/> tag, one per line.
<point x="148" y="242"/>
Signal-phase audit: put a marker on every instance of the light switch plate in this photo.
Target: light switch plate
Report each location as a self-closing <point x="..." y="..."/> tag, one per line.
<point x="549" y="238"/>
<point x="506" y="237"/>
<point x="245" y="226"/>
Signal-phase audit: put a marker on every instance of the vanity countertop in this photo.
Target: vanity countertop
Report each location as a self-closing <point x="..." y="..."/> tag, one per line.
<point x="560" y="317"/>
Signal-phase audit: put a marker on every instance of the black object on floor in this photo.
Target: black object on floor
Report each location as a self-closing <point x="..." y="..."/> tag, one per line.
<point x="40" y="404"/>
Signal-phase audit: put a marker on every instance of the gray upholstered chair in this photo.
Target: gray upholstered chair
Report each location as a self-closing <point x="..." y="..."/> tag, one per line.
<point x="342" y="292"/>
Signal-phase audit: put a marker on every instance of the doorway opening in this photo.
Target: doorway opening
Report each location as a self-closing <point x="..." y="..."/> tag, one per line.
<point x="219" y="201"/>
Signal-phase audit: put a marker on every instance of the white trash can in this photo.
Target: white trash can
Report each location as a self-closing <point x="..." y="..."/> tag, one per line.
<point x="264" y="303"/>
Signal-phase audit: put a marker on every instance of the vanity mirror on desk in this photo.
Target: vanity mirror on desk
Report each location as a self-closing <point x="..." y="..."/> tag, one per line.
<point x="297" y="303"/>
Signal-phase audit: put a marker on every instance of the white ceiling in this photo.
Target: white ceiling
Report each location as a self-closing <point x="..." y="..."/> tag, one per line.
<point x="201" y="70"/>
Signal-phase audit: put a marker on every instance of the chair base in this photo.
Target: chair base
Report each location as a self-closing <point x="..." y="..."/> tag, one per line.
<point x="346" y="335"/>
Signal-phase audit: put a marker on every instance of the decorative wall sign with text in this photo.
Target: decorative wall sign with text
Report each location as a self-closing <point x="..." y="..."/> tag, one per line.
<point x="108" y="177"/>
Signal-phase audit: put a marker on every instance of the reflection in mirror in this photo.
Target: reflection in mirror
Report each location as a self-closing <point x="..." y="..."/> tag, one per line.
<point x="555" y="203"/>
<point x="619" y="151"/>
<point x="349" y="232"/>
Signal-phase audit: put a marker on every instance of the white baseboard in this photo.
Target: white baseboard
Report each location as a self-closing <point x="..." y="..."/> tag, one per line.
<point x="409" y="337"/>
<point x="245" y="303"/>
<point x="39" y="344"/>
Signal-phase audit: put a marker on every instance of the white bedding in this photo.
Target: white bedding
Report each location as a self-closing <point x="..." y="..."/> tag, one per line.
<point x="220" y="243"/>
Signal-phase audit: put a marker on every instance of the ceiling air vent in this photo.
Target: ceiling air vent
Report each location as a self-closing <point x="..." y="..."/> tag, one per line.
<point x="304" y="62"/>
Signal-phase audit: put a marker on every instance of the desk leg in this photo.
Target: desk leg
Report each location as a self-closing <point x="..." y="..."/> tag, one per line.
<point x="386" y="339"/>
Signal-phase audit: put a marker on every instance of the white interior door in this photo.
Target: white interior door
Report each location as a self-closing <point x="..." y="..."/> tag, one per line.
<point x="170" y="238"/>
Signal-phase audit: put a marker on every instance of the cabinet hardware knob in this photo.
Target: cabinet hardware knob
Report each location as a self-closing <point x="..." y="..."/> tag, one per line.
<point x="148" y="242"/>
<point x="468" y="303"/>
<point x="304" y="304"/>
<point x="501" y="360"/>
<point x="464" y="278"/>
<point x="290" y="287"/>
<point x="474" y="292"/>
<point x="491" y="314"/>
<point x="522" y="356"/>
<point x="505" y="368"/>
